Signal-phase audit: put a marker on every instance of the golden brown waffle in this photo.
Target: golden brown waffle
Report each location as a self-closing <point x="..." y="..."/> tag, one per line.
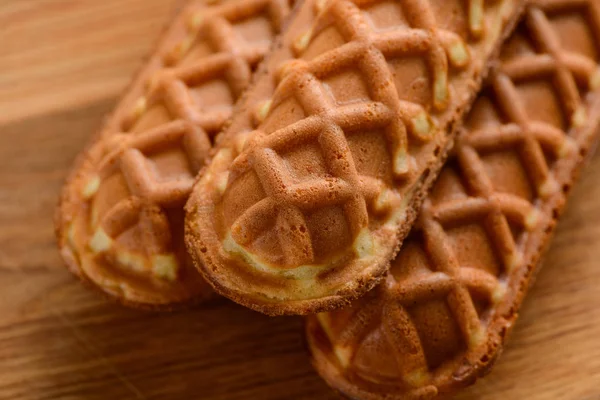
<point x="120" y="221"/>
<point x="442" y="315"/>
<point x="305" y="204"/>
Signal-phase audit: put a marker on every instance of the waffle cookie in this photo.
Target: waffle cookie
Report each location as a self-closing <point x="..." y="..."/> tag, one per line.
<point x="318" y="177"/>
<point x="442" y="315"/>
<point x="120" y="219"/>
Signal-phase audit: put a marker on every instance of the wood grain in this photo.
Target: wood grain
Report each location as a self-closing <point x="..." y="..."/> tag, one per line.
<point x="58" y="340"/>
<point x="55" y="54"/>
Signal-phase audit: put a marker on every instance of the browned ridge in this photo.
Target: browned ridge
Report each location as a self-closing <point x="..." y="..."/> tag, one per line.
<point x="120" y="221"/>
<point x="443" y="313"/>
<point x="318" y="177"/>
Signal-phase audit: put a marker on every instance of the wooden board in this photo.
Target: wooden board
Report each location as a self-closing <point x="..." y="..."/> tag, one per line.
<point x="62" y="66"/>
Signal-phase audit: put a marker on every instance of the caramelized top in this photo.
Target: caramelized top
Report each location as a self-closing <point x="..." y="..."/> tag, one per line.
<point x="454" y="290"/>
<point x="306" y="200"/>
<point x="121" y="218"/>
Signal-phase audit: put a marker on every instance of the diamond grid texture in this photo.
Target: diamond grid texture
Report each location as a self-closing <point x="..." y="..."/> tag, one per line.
<point x="327" y="121"/>
<point x="155" y="146"/>
<point x="212" y="54"/>
<point x="148" y="194"/>
<point x="496" y="205"/>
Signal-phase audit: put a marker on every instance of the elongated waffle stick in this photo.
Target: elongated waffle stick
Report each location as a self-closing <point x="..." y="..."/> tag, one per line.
<point x="120" y="220"/>
<point x="444" y="311"/>
<point x="304" y="205"/>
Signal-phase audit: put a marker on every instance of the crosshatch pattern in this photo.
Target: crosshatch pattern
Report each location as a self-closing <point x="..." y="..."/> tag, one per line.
<point x="223" y="47"/>
<point x="328" y="120"/>
<point x="445" y="307"/>
<point x="140" y="172"/>
<point x="360" y="114"/>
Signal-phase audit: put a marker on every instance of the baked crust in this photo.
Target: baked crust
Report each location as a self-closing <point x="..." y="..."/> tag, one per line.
<point x="119" y="223"/>
<point x="320" y="174"/>
<point x="441" y="318"/>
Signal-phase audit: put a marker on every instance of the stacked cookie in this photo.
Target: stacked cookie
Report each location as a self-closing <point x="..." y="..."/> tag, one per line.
<point x="304" y="202"/>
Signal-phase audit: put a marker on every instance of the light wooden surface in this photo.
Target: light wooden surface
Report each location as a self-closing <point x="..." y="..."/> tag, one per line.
<point x="57" y="54"/>
<point x="62" y="66"/>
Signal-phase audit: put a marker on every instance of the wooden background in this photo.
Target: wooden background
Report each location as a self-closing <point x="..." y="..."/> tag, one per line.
<point x="63" y="64"/>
